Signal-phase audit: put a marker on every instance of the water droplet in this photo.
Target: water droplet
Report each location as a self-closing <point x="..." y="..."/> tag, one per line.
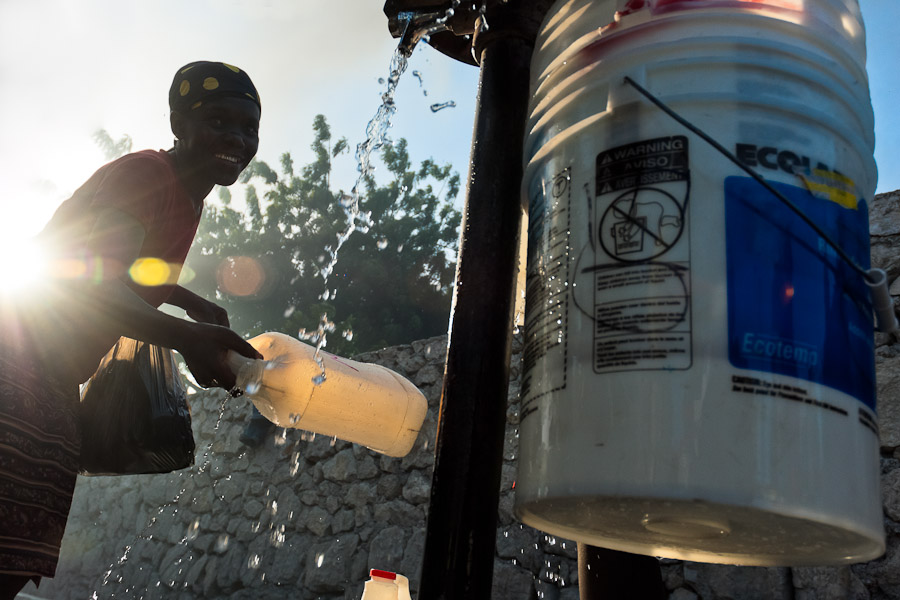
<point x="320" y="558"/>
<point x="253" y="562"/>
<point x="442" y="105"/>
<point x="382" y="244"/>
<point x="221" y="543"/>
<point x="193" y="531"/>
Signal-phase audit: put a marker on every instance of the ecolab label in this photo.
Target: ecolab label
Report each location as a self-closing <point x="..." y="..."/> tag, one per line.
<point x="794" y="307"/>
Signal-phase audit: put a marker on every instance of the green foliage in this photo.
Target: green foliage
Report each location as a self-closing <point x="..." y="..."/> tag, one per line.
<point x="391" y="284"/>
<point x="111" y="148"/>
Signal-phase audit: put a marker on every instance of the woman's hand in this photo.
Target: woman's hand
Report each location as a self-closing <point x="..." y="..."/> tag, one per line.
<point x="198" y="308"/>
<point x="204" y="350"/>
<point x="208" y="312"/>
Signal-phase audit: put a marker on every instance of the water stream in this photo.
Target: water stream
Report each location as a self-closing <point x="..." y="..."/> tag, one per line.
<point x="357" y="218"/>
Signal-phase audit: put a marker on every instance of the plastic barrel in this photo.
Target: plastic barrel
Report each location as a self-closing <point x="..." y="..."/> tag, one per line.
<point x="699" y="376"/>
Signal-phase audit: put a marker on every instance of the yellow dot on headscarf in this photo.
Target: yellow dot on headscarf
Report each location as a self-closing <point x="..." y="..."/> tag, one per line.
<point x="232" y="67"/>
<point x="185" y="87"/>
<point x="210" y="83"/>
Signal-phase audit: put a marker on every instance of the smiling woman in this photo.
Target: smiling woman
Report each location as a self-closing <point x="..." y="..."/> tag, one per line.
<point x="107" y="259"/>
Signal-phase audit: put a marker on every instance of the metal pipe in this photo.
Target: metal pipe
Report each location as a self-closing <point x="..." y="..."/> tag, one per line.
<point x="465" y="491"/>
<point x="609" y="575"/>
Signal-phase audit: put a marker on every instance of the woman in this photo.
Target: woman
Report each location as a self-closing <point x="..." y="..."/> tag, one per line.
<point x="145" y="205"/>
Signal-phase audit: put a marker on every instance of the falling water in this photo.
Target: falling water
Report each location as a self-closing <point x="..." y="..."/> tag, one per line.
<point x="145" y="534"/>
<point x="418" y="75"/>
<point x="357" y="219"/>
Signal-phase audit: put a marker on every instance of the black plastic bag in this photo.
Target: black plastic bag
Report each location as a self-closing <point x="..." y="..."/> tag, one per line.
<point x="134" y="413"/>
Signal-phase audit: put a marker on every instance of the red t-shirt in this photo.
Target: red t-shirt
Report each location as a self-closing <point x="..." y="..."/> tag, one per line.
<point x="145" y="186"/>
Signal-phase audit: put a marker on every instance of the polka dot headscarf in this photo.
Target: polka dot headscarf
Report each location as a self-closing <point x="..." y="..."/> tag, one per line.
<point x="200" y="81"/>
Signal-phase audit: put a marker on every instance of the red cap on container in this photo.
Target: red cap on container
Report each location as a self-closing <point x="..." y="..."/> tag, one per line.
<point x="383" y="574"/>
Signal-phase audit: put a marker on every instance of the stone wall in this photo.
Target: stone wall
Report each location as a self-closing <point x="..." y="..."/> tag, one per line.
<point x="306" y="517"/>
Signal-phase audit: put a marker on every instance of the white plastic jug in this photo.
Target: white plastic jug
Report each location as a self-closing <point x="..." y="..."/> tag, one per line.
<point x="384" y="585"/>
<point x="362" y="403"/>
<point x="699" y="372"/>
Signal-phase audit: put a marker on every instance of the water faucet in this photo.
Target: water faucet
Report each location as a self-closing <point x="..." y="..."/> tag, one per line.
<point x="448" y="25"/>
<point x="418" y="26"/>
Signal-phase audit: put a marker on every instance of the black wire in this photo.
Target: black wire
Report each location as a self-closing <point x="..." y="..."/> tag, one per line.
<point x="759" y="178"/>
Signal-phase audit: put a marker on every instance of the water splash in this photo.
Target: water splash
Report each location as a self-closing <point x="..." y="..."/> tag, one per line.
<point x="442" y="105"/>
<point x="144" y="534"/>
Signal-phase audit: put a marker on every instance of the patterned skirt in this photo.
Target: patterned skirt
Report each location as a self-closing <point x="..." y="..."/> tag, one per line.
<point x="39" y="451"/>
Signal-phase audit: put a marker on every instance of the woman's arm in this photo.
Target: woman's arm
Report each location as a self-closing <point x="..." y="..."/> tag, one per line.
<point x="117" y="237"/>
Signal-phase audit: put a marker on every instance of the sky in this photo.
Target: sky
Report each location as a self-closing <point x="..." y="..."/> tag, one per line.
<point x="71" y="67"/>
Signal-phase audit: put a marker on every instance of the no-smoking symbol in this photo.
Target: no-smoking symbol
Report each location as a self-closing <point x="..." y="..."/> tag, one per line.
<point x="641" y="224"/>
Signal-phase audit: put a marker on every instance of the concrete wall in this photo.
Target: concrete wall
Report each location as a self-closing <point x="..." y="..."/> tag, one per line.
<point x="305" y="517"/>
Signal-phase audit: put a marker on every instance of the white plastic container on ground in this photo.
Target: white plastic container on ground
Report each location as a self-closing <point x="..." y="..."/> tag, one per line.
<point x="699" y="371"/>
<point x="385" y="585"/>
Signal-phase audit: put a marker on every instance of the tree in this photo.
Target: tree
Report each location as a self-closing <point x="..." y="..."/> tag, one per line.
<point x="392" y="280"/>
<point x="111" y="148"/>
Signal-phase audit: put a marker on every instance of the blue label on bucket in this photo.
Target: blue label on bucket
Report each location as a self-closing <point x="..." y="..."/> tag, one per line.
<point x="794" y="307"/>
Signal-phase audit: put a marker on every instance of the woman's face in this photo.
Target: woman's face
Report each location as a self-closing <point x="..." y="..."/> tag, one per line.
<point x="218" y="139"/>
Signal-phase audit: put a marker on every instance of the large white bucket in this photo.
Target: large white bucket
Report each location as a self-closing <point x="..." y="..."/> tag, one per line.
<point x="699" y="379"/>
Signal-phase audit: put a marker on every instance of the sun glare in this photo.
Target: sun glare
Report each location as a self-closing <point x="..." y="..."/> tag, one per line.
<point x="21" y="266"/>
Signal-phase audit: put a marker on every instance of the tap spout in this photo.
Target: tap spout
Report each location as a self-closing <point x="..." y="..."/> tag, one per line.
<point x="419" y="26"/>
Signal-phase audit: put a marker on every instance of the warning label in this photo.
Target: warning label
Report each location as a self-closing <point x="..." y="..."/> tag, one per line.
<point x="756" y="386"/>
<point x="642" y="163"/>
<point x="642" y="311"/>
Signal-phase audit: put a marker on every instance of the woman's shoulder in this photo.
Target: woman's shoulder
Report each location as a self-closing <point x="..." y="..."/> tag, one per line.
<point x="149" y="160"/>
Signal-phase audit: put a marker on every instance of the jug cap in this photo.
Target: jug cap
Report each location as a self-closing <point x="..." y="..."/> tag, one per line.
<point x="382" y="574"/>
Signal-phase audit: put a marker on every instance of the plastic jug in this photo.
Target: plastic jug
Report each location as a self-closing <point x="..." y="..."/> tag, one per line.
<point x="361" y="403"/>
<point x="384" y="585"/>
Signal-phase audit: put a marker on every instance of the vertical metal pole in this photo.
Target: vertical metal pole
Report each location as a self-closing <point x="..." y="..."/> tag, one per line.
<point x="462" y="517"/>
<point x="609" y="575"/>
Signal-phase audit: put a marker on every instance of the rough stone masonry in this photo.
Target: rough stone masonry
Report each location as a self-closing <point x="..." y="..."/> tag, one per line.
<point x="305" y="517"/>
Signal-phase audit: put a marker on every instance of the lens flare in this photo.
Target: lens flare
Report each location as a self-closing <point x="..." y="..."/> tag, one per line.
<point x="241" y="276"/>
<point x="152" y="272"/>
